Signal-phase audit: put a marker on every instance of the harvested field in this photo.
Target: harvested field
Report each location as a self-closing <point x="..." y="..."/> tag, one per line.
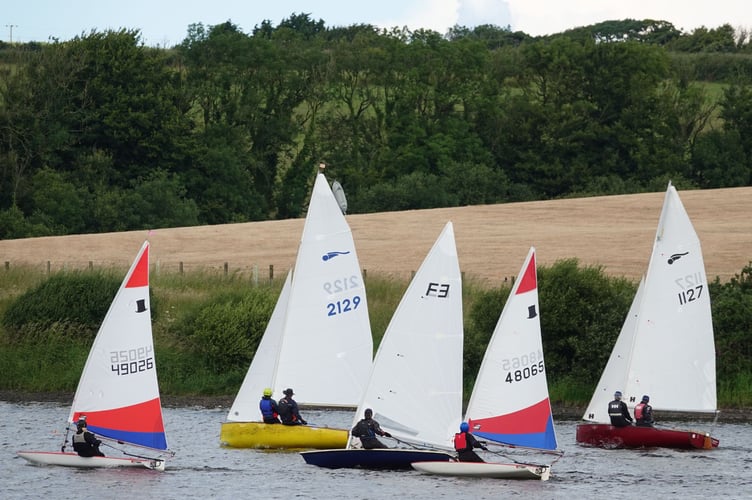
<point x="615" y="232"/>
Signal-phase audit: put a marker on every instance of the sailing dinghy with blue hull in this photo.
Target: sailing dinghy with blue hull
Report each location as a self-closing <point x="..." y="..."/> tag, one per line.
<point x="415" y="388"/>
<point x="118" y="392"/>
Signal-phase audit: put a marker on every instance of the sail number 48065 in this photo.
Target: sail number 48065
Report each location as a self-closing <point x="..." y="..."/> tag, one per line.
<point x="523" y="367"/>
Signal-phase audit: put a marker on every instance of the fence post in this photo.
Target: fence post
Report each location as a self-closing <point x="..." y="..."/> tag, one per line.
<point x="271" y="273"/>
<point x="7" y="265"/>
<point x="48" y="267"/>
<point x="225" y="268"/>
<point x="254" y="275"/>
<point x="180" y="267"/>
<point x="91" y="265"/>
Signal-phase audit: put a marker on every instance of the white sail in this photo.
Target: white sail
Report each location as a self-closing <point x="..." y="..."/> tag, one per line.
<point x="614" y="376"/>
<point x="318" y="341"/>
<point x="672" y="356"/>
<point x="260" y="375"/>
<point x="415" y="387"/>
<point x="509" y="403"/>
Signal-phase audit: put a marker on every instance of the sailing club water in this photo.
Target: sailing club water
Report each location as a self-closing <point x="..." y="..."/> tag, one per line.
<point x="203" y="469"/>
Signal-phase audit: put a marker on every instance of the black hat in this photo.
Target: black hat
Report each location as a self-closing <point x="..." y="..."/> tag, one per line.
<point x="288" y="392"/>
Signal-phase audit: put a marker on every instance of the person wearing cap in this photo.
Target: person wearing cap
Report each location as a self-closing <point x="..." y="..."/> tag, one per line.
<point x="618" y="412"/>
<point x="464" y="442"/>
<point x="288" y="409"/>
<point x="269" y="408"/>
<point x="85" y="443"/>
<point x="643" y="413"/>
<point x="366" y="429"/>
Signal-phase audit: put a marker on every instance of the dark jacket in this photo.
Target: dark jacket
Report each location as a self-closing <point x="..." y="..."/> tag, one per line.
<point x="289" y="413"/>
<point x="86" y="444"/>
<point x="367" y="429"/>
<point x="619" y="413"/>
<point x="464" y="442"/>
<point x="269" y="410"/>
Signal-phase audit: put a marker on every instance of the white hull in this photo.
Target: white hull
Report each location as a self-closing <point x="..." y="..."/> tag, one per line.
<point x="73" y="460"/>
<point x="485" y="469"/>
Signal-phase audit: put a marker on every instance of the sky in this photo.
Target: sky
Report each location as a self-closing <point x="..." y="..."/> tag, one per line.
<point x="165" y="22"/>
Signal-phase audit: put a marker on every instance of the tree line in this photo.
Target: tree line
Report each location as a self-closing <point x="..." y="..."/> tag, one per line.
<point x="102" y="133"/>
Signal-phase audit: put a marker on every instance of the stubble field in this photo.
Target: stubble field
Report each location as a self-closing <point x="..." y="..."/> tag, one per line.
<point x="615" y="232"/>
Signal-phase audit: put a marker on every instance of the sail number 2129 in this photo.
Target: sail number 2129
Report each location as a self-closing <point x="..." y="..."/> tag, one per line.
<point x="342" y="306"/>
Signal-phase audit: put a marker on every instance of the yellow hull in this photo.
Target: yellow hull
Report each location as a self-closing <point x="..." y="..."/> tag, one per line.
<point x="271" y="436"/>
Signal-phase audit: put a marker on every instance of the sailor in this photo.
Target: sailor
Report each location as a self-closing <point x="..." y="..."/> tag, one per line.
<point x="618" y="412"/>
<point x="85" y="443"/>
<point x="268" y="407"/>
<point x="464" y="442"/>
<point x="643" y="413"/>
<point x="366" y="429"/>
<point x="288" y="409"/>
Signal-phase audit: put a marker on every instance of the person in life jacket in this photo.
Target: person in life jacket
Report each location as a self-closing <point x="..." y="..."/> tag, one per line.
<point x="288" y="410"/>
<point x="85" y="443"/>
<point x="464" y="442"/>
<point x="268" y="407"/>
<point x="643" y="413"/>
<point x="366" y="429"/>
<point x="618" y="412"/>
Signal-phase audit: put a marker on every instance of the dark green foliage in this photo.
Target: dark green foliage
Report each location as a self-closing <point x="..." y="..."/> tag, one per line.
<point x="227" y="330"/>
<point x="68" y="303"/>
<point x="732" y="323"/>
<point x="101" y="133"/>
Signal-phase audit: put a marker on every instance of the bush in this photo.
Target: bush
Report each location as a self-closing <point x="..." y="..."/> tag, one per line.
<point x="68" y="303"/>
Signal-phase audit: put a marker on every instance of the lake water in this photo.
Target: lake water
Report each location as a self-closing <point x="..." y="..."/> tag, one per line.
<point x="203" y="469"/>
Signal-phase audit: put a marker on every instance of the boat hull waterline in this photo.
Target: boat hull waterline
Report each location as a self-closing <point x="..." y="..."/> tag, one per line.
<point x="272" y="436"/>
<point x="74" y="460"/>
<point x="485" y="469"/>
<point x="380" y="458"/>
<point x="608" y="436"/>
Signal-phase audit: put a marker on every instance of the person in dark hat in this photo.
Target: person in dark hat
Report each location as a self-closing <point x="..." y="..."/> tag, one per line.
<point x="367" y="429"/>
<point x="288" y="409"/>
<point x="85" y="443"/>
<point x="643" y="413"/>
<point x="618" y="412"/>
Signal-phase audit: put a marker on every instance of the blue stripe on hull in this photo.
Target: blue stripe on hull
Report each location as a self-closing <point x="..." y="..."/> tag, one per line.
<point x="389" y="458"/>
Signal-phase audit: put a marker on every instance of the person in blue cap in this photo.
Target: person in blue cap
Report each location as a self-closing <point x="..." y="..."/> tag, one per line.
<point x="618" y="412"/>
<point x="643" y="413"/>
<point x="464" y="442"/>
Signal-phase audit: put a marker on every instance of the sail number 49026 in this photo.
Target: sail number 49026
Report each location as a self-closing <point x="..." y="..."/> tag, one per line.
<point x="132" y="360"/>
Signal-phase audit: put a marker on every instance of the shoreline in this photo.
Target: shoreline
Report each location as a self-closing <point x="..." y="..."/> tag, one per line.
<point x="561" y="411"/>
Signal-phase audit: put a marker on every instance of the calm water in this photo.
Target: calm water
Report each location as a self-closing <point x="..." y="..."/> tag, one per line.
<point x="202" y="469"/>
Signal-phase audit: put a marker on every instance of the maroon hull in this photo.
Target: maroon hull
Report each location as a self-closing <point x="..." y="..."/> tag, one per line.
<point x="608" y="436"/>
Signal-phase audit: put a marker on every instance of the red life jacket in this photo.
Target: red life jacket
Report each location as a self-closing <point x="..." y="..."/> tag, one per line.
<point x="460" y="441"/>
<point x="638" y="411"/>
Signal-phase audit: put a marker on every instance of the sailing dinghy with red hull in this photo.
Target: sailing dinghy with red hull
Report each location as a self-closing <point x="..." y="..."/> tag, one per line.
<point x="665" y="348"/>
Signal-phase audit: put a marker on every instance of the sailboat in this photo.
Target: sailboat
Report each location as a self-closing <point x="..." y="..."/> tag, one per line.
<point x="318" y="339"/>
<point x="118" y="392"/>
<point x="509" y="404"/>
<point x="415" y="387"/>
<point x="665" y="348"/>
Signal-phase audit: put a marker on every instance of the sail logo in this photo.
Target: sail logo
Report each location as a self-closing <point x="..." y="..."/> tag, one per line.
<point x="675" y="257"/>
<point x="330" y="255"/>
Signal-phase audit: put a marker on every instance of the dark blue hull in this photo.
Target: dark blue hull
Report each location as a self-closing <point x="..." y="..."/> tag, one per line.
<point x="382" y="458"/>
